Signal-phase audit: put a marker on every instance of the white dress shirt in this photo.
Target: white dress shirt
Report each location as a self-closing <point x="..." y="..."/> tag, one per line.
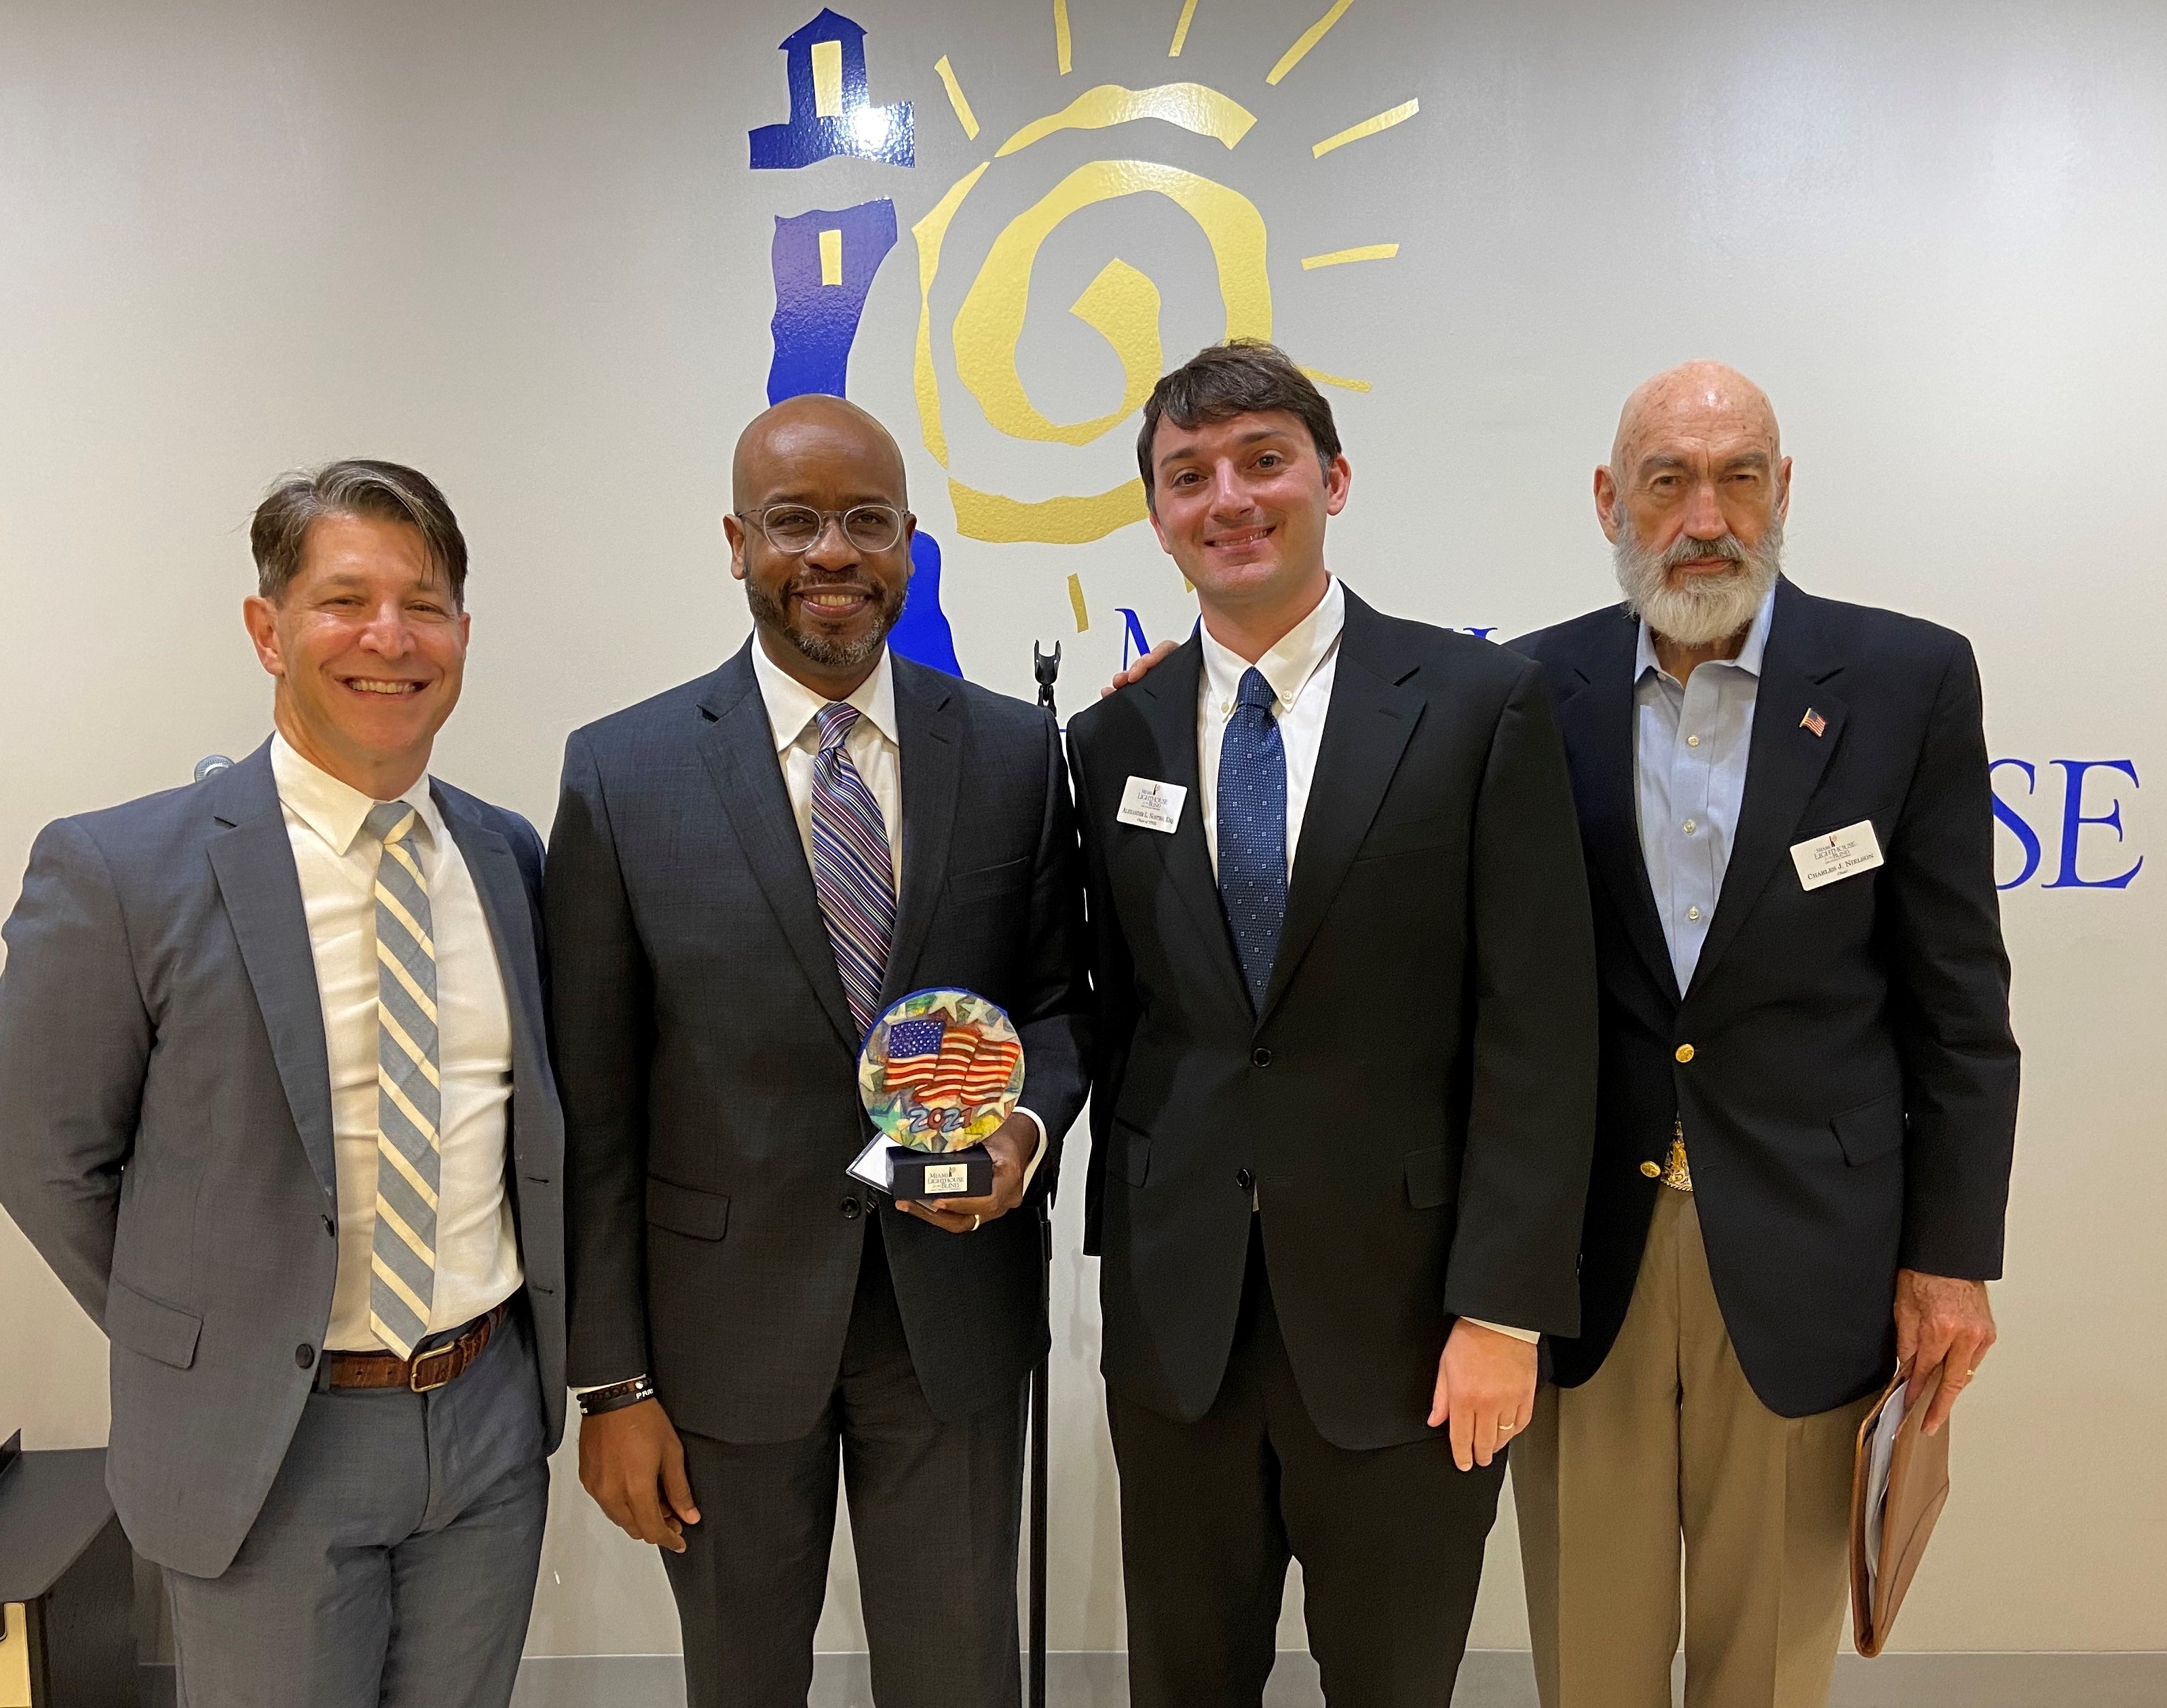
<point x="477" y="1246"/>
<point x="1300" y="667"/>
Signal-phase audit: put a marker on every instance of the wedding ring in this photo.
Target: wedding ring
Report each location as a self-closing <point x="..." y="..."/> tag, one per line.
<point x="1506" y="1429"/>
<point x="975" y="1221"/>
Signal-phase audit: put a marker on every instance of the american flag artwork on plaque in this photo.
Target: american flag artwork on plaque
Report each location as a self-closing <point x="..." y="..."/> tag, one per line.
<point x="940" y="1070"/>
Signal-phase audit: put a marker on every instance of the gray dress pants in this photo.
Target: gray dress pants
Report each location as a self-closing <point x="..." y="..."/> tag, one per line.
<point x="935" y="1511"/>
<point x="393" y="1563"/>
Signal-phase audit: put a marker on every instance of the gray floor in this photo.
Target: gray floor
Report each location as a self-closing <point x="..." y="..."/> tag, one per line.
<point x="1491" y="1678"/>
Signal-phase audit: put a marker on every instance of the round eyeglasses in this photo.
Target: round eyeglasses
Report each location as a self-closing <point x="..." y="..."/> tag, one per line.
<point x="797" y="527"/>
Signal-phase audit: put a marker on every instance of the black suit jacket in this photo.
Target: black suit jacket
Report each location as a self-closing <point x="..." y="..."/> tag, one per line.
<point x="1851" y="1102"/>
<point x="709" y="1063"/>
<point x="1415" y="1104"/>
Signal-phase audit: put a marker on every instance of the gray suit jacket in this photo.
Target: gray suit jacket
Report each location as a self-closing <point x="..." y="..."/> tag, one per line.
<point x="709" y="1062"/>
<point x="166" y="1130"/>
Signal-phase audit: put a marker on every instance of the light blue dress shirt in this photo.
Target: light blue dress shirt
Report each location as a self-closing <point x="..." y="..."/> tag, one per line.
<point x="1691" y="741"/>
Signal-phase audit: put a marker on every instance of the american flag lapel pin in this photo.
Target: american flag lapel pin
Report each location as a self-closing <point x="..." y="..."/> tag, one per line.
<point x="1814" y="721"/>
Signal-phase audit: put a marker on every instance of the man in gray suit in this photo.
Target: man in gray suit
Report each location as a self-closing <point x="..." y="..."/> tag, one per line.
<point x="275" y="1104"/>
<point x="745" y="871"/>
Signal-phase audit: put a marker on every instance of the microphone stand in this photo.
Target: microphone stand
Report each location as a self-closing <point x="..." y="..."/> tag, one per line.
<point x="1047" y="671"/>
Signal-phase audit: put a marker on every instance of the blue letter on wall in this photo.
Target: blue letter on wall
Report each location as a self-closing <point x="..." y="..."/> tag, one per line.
<point x="830" y="113"/>
<point x="2074" y="819"/>
<point x="2014" y="823"/>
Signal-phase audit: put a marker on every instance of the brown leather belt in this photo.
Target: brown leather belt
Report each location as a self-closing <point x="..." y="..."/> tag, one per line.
<point x="425" y="1370"/>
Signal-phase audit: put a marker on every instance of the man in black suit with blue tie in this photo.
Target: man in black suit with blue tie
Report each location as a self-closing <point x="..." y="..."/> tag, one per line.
<point x="1343" y="1092"/>
<point x="746" y="871"/>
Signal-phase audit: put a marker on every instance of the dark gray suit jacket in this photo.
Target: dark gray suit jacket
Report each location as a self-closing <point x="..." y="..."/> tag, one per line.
<point x="165" y="1128"/>
<point x="709" y="1063"/>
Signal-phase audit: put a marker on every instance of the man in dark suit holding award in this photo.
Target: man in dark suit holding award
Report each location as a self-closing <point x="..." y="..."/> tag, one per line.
<point x="1344" y="1085"/>
<point x="1809" y="1083"/>
<point x="746" y="871"/>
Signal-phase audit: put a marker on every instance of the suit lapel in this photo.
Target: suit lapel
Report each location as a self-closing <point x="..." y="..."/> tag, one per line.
<point x="1784" y="765"/>
<point x="254" y="860"/>
<point x="1168" y="700"/>
<point x="1598" y="725"/>
<point x="929" y="730"/>
<point x="505" y="904"/>
<point x="1367" y="727"/>
<point x="738" y="748"/>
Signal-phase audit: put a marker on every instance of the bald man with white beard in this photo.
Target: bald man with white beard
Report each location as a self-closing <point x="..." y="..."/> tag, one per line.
<point x="1809" y="1085"/>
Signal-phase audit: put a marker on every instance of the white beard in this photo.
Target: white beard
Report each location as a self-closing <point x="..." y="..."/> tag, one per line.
<point x="1703" y="609"/>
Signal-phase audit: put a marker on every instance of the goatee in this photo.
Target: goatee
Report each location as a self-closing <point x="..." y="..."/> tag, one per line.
<point x="818" y="648"/>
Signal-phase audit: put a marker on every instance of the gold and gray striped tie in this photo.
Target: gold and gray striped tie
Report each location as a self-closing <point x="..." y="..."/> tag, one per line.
<point x="403" y="1259"/>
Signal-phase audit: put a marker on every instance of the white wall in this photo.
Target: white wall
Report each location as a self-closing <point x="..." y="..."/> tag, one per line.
<point x="519" y="246"/>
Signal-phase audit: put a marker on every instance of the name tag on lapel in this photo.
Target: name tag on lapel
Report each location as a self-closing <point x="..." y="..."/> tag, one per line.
<point x="1840" y="855"/>
<point x="1153" y="805"/>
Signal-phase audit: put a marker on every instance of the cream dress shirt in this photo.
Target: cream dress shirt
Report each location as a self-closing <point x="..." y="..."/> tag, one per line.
<point x="1300" y="667"/>
<point x="477" y="1246"/>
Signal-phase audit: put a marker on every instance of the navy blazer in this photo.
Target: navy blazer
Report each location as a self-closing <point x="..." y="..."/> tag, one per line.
<point x="1850" y="1102"/>
<point x="165" y="1128"/>
<point x="709" y="1063"/>
<point x="1412" y="1110"/>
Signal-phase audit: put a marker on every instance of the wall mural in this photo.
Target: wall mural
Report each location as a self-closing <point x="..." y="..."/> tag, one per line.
<point x="825" y="262"/>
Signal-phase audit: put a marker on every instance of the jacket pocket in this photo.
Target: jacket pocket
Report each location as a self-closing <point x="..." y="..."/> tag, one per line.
<point x="1135" y="1153"/>
<point x="989" y="880"/>
<point x="155" y="1331"/>
<point x="684" y="1209"/>
<point x="1870" y="1131"/>
<point x="1429" y="1181"/>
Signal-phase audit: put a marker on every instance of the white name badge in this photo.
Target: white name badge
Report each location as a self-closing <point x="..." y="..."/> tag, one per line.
<point x="947" y="1179"/>
<point x="1153" y="805"/>
<point x="1840" y="855"/>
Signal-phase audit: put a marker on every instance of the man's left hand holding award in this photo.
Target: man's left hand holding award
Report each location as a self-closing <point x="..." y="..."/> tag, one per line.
<point x="748" y="873"/>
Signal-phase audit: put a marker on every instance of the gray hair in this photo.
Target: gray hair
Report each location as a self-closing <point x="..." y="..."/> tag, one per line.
<point x="353" y="486"/>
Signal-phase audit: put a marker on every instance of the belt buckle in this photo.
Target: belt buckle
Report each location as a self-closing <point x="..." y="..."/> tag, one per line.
<point x="449" y="1355"/>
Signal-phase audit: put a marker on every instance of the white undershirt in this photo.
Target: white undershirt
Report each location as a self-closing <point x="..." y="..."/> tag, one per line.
<point x="1302" y="667"/>
<point x="477" y="1245"/>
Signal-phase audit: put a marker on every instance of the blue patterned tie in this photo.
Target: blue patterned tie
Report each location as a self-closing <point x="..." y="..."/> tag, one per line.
<point x="853" y="872"/>
<point x="1252" y="868"/>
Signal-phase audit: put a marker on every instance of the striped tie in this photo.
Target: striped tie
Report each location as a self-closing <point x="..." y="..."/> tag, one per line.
<point x="403" y="1259"/>
<point x="852" y="870"/>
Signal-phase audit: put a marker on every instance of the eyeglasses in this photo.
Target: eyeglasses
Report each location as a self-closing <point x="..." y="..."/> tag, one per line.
<point x="797" y="527"/>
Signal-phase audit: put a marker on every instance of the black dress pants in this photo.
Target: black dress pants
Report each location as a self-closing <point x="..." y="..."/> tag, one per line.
<point x="1390" y="1542"/>
<point x="935" y="1511"/>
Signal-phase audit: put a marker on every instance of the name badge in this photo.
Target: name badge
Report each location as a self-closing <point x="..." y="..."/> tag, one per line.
<point x="1840" y="855"/>
<point x="947" y="1179"/>
<point x="1153" y="805"/>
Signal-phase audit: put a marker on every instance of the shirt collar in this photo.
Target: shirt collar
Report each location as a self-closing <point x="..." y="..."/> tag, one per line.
<point x="792" y="705"/>
<point x="337" y="810"/>
<point x="1290" y="665"/>
<point x="1749" y="656"/>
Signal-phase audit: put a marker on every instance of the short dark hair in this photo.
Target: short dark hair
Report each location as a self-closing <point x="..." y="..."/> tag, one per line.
<point x="1242" y="376"/>
<point x="353" y="486"/>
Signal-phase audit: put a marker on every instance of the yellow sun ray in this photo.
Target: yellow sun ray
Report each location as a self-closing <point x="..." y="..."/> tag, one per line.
<point x="1340" y="258"/>
<point x="1060" y="43"/>
<point x="1076" y="589"/>
<point x="1340" y="380"/>
<point x="964" y="115"/>
<point x="1369" y="127"/>
<point x="1308" y="39"/>
<point x="1181" y="29"/>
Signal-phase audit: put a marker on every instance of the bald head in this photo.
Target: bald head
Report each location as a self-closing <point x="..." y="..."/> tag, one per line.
<point x="1700" y="400"/>
<point x="779" y="451"/>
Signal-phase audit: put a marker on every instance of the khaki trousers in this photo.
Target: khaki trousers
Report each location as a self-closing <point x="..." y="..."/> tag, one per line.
<point x="1668" y="1441"/>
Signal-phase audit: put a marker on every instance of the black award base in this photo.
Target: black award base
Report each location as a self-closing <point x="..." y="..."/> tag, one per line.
<point x="933" y="1175"/>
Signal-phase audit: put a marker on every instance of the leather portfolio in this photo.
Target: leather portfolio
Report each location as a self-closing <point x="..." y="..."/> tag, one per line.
<point x="1899" y="1486"/>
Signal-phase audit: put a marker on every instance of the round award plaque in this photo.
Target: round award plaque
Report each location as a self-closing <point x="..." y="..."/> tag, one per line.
<point x="940" y="1070"/>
